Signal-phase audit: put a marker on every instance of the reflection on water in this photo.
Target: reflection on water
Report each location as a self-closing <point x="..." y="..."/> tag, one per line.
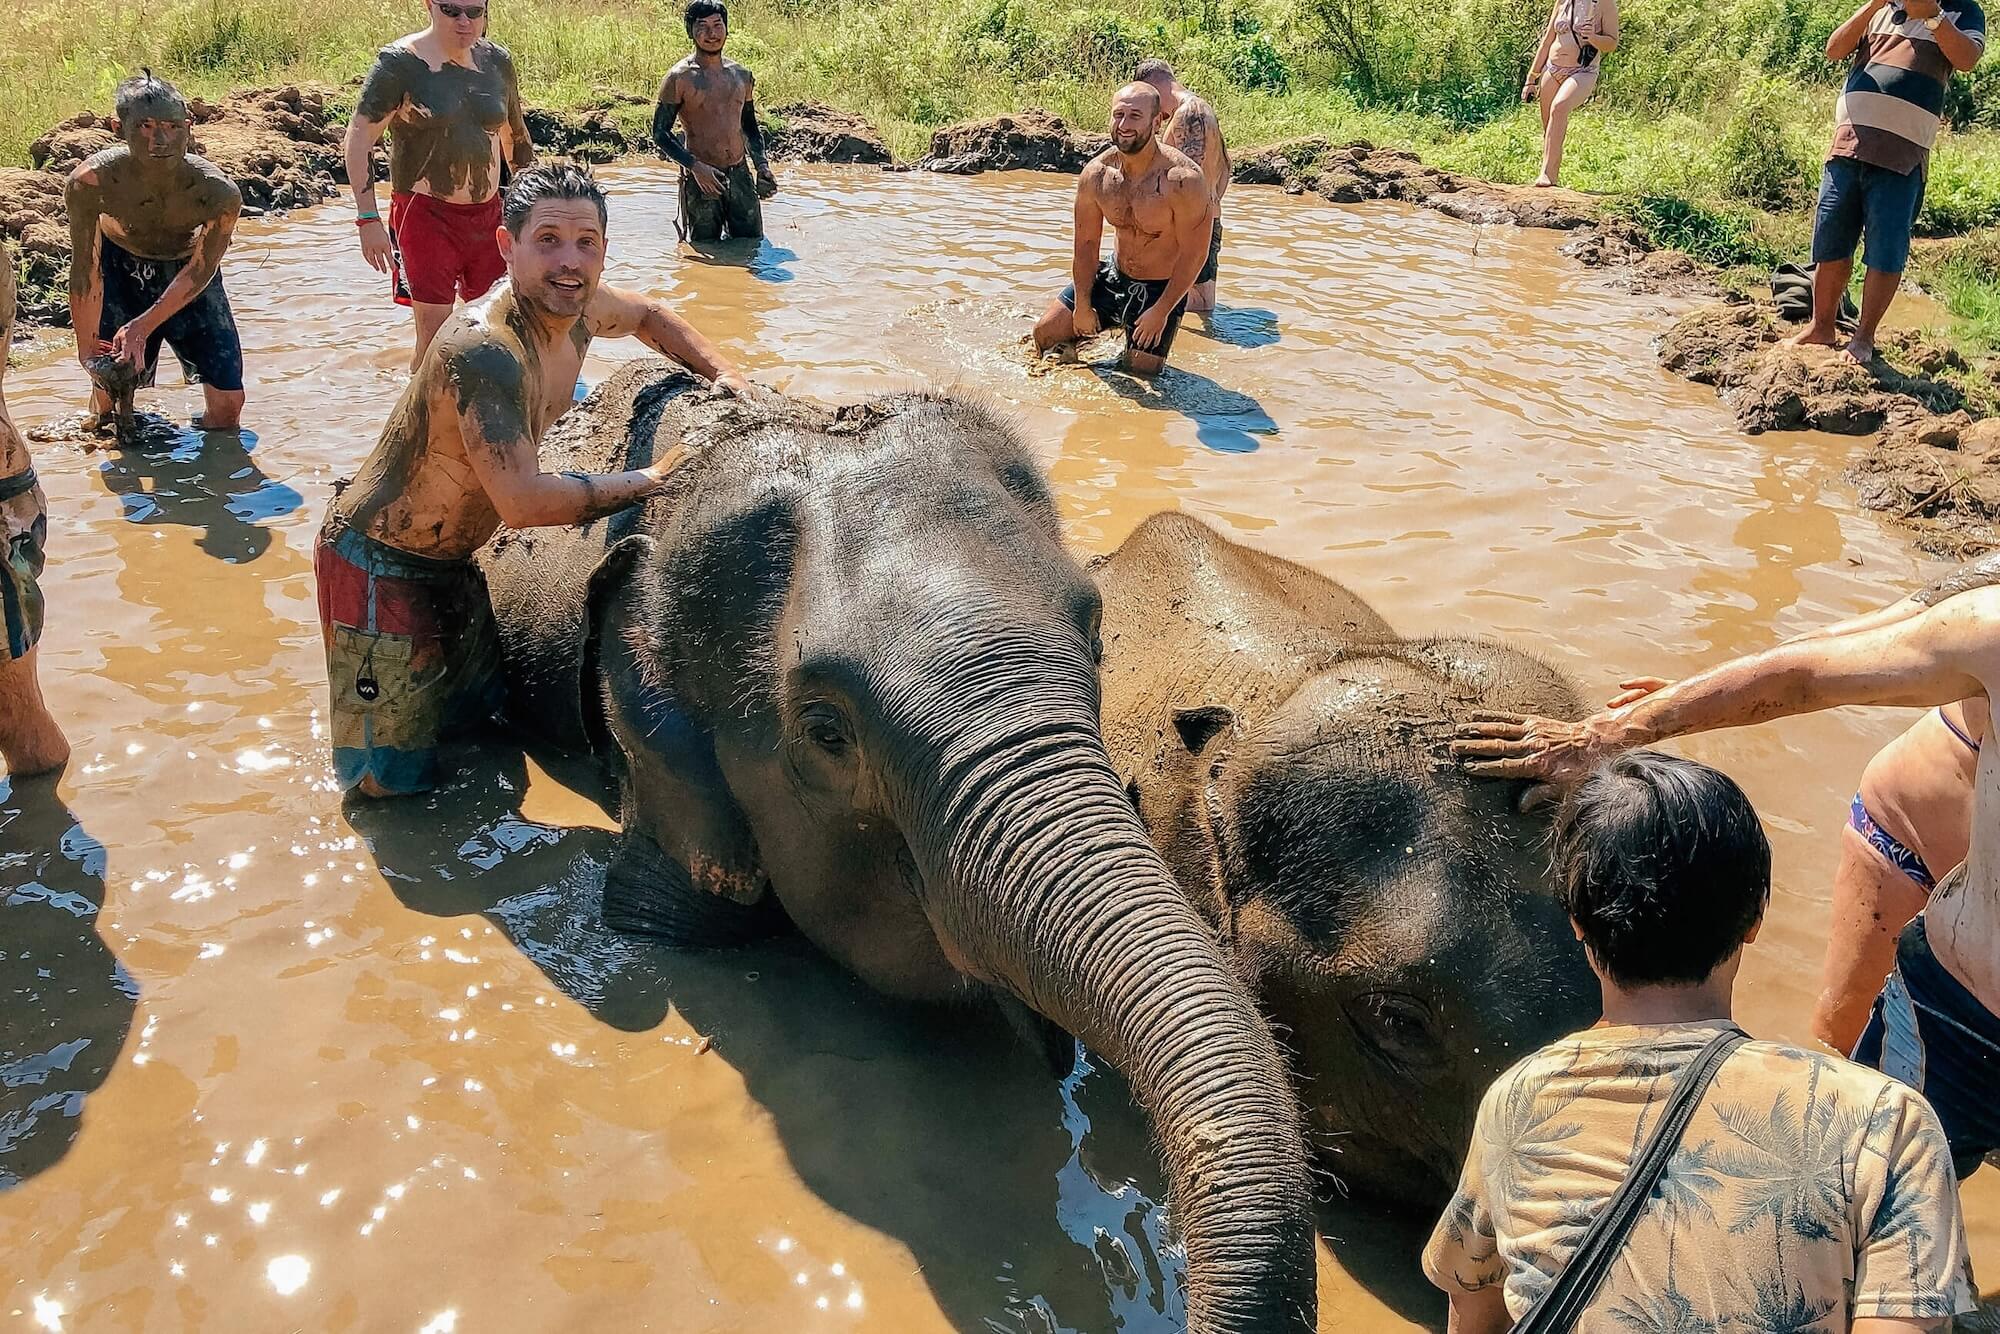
<point x="305" y="1066"/>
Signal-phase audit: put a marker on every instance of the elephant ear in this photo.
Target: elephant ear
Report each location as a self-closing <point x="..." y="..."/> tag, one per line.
<point x="610" y="599"/>
<point x="1200" y="725"/>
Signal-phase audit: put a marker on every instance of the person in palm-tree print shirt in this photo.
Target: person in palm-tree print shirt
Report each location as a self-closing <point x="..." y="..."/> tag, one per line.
<point x="1807" y="1194"/>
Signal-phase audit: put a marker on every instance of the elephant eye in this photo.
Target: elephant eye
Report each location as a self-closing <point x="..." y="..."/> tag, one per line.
<point x="1399" y="1027"/>
<point x="820" y="725"/>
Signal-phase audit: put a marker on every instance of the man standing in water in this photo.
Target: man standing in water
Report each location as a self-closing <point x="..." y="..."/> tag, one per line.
<point x="717" y="99"/>
<point x="30" y="741"/>
<point x="1158" y="204"/>
<point x="411" y="650"/>
<point x="149" y="223"/>
<point x="1904" y="54"/>
<point x="451" y="105"/>
<point x="1189" y="124"/>
<point x="1936" y="1023"/>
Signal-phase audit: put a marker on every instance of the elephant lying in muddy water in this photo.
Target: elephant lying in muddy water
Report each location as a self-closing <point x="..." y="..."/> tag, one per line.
<point x="846" y="675"/>
<point x="1394" y="917"/>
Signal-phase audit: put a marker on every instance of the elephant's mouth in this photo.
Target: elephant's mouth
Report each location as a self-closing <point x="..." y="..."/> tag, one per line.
<point x="1414" y="1178"/>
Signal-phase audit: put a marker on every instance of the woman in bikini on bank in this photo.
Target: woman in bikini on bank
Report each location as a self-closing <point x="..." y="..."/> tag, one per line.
<point x="1562" y="77"/>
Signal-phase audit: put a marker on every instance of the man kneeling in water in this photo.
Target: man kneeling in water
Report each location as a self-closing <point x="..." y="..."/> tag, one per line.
<point x="1159" y="207"/>
<point x="411" y="650"/>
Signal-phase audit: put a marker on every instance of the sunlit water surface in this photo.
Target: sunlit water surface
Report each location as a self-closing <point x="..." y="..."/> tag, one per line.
<point x="270" y="1074"/>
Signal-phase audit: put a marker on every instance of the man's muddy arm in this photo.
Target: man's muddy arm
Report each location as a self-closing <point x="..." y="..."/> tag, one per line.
<point x="1934" y="658"/>
<point x="664" y="114"/>
<point x="86" y="289"/>
<point x="616" y="313"/>
<point x="490" y="387"/>
<point x="1086" y="250"/>
<point x="753" y="137"/>
<point x="210" y="244"/>
<point x="522" y="151"/>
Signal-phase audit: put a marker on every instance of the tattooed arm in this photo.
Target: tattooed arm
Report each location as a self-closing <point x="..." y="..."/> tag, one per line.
<point x="210" y="244"/>
<point x="753" y="137"/>
<point x="86" y="289"/>
<point x="490" y="388"/>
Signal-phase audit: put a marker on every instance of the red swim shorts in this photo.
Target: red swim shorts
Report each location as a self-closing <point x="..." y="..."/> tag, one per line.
<point x="444" y="251"/>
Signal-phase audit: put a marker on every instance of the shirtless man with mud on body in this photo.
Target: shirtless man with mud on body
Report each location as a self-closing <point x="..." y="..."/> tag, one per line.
<point x="717" y="99"/>
<point x="1935" y="1023"/>
<point x="1189" y="124"/>
<point x="1158" y="204"/>
<point x="410" y="645"/>
<point x="450" y="103"/>
<point x="30" y="741"/>
<point x="149" y="223"/>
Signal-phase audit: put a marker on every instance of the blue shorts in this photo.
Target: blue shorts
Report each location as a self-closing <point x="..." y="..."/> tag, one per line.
<point x="1931" y="1033"/>
<point x="1859" y="198"/>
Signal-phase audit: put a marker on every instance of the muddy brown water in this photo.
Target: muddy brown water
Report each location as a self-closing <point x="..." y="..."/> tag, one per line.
<point x="277" y="1070"/>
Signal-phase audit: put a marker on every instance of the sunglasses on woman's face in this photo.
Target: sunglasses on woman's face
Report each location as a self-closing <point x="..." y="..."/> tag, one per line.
<point x="461" y="11"/>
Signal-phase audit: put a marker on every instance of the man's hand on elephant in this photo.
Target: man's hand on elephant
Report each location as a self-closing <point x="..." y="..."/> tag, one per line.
<point x="662" y="469"/>
<point x="733" y="382"/>
<point x="1151" y="325"/>
<point x="1513" y="745"/>
<point x="707" y="179"/>
<point x="1636" y="689"/>
<point x="767" y="184"/>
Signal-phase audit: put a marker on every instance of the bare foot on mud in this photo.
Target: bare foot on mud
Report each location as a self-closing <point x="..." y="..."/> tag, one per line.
<point x="1810" y="337"/>
<point x="1861" y="350"/>
<point x="1544" y="183"/>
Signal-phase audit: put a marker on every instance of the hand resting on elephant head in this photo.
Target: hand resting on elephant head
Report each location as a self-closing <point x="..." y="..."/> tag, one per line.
<point x="845" y="675"/>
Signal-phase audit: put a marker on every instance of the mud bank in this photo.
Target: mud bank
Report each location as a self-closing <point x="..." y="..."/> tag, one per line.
<point x="1929" y="466"/>
<point x="1034" y="140"/>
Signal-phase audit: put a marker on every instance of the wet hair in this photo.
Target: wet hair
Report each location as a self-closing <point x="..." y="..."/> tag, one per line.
<point x="550" y="180"/>
<point x="141" y="89"/>
<point x="698" y="10"/>
<point x="1153" y="71"/>
<point x="1663" y="866"/>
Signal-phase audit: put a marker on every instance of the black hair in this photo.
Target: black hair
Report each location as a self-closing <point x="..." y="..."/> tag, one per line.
<point x="143" y="87"/>
<point x="550" y="180"/>
<point x="1150" y="70"/>
<point x="698" y="10"/>
<point x="1662" y="864"/>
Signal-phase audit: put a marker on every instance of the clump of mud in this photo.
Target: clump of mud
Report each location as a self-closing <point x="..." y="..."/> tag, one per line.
<point x="583" y="136"/>
<point x="1940" y="477"/>
<point x="815" y="132"/>
<point x="1034" y="140"/>
<point x="35" y="226"/>
<point x="1353" y="172"/>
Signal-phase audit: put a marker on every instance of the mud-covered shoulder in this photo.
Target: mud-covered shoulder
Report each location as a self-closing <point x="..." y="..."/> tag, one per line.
<point x="483" y="372"/>
<point x="213" y="187"/>
<point x="89" y="173"/>
<point x="387" y="84"/>
<point x="492" y="55"/>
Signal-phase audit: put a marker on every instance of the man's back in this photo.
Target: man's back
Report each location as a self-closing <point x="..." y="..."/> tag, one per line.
<point x="1805" y="1187"/>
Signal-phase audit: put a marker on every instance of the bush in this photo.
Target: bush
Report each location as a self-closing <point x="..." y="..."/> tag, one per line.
<point x="1759" y="162"/>
<point x="224" y="35"/>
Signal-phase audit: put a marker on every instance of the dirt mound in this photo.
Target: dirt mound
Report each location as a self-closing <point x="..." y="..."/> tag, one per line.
<point x="277" y="144"/>
<point x="1031" y="141"/>
<point x="1773" y="387"/>
<point x="583" y="136"/>
<point x="1352" y="172"/>
<point x="815" y="132"/>
<point x="36" y="227"/>
<point x="1939" y="476"/>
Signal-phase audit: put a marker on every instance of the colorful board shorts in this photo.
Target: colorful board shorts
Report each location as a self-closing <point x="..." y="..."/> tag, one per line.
<point x="1121" y="300"/>
<point x="443" y="251"/>
<point x="24" y="523"/>
<point x="736" y="210"/>
<point x="1212" y="264"/>
<point x="202" y="333"/>
<point x="412" y="656"/>
<point x="1931" y="1033"/>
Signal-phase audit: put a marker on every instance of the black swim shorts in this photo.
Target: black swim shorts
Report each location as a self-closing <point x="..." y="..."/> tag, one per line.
<point x="24" y="532"/>
<point x="202" y="333"/>
<point x="1931" y="1033"/>
<point x="737" y="210"/>
<point x="1214" y="260"/>
<point x="1121" y="300"/>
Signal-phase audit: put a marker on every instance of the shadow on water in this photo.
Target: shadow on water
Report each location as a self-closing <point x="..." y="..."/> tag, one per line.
<point x="204" y="480"/>
<point x="66" y="1003"/>
<point x="1032" y="1205"/>
<point x="1236" y="326"/>
<point x="1226" y="420"/>
<point x="760" y="258"/>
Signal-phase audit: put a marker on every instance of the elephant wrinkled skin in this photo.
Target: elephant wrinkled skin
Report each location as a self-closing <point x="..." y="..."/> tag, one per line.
<point x="1286" y="750"/>
<point x="845" y="675"/>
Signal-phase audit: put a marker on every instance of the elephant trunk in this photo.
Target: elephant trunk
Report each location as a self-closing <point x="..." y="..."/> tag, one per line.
<point x="1042" y="881"/>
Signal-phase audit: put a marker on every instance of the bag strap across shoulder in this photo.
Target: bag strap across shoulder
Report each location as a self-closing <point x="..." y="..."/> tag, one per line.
<point x="1564" y="1300"/>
